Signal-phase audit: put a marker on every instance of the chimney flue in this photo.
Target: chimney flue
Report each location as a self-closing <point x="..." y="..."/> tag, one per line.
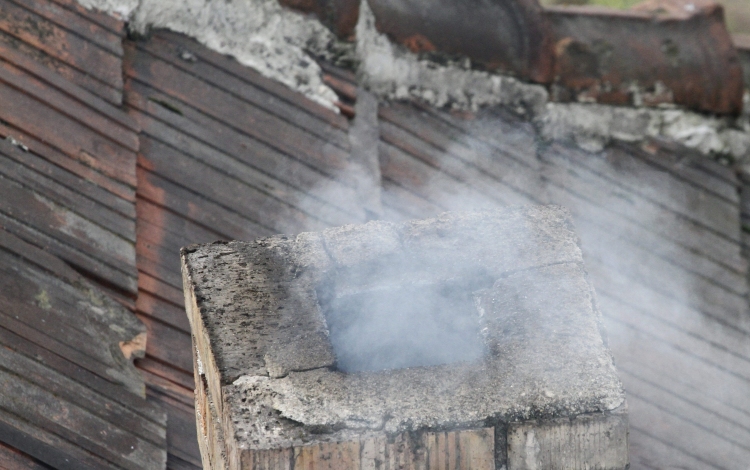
<point x="467" y="341"/>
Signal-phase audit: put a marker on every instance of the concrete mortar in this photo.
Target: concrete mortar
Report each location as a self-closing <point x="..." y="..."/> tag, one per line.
<point x="277" y="42"/>
<point x="281" y="43"/>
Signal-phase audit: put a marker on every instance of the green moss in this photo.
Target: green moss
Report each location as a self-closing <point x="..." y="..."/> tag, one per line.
<point x="42" y="300"/>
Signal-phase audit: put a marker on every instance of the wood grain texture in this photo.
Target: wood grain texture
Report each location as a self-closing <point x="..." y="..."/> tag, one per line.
<point x="14" y="459"/>
<point x="68" y="381"/>
<point x="598" y="442"/>
<point x="207" y="173"/>
<point x="68" y="41"/>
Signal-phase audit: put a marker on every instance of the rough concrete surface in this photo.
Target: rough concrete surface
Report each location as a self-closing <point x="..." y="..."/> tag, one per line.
<point x="593" y="126"/>
<point x="392" y="72"/>
<point x="281" y="43"/>
<point x="546" y="360"/>
<point x="256" y="313"/>
<point x="277" y="42"/>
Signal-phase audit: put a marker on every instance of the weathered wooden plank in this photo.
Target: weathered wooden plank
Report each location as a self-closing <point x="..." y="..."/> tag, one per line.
<point x="643" y="213"/>
<point x="39" y="258"/>
<point x="449" y="138"/>
<point x="73" y="403"/>
<point x="74" y="77"/>
<point x="497" y="127"/>
<point x="61" y="44"/>
<point x="91" y="209"/>
<point x="47" y="217"/>
<point x="492" y="176"/>
<point x="407" y="204"/>
<point x="372" y="453"/>
<point x="162" y="220"/>
<point x="14" y="459"/>
<point x="634" y="301"/>
<point x="684" y="164"/>
<point x="649" y="452"/>
<point x="323" y="456"/>
<point x="66" y="286"/>
<point x="181" y="432"/>
<point x="245" y="90"/>
<point x="74" y="107"/>
<point x="641" y="234"/>
<point x="60" y="159"/>
<point x="210" y="141"/>
<point x="670" y="149"/>
<point x="48" y="263"/>
<point x="39" y="323"/>
<point x="713" y="451"/>
<point x="586" y="441"/>
<point x="31" y="307"/>
<point x="73" y="392"/>
<point x="456" y="450"/>
<point x="179" y="200"/>
<point x="632" y="178"/>
<point x="176" y="384"/>
<point x="275" y="459"/>
<point x="39" y="66"/>
<point x="46" y="446"/>
<point x="679" y="390"/>
<point x="636" y="349"/>
<point x="713" y="353"/>
<point x="45" y="411"/>
<point x="477" y="449"/>
<point x="210" y="434"/>
<point x="647" y="270"/>
<point x="437" y="186"/>
<point x="69" y="136"/>
<point x="237" y="115"/>
<point x="736" y="434"/>
<point x="176" y="463"/>
<point x="93" y="268"/>
<point x="37" y="168"/>
<point x="75" y="23"/>
<point x="468" y="149"/>
<point x="104" y="20"/>
<point x="694" y="185"/>
<point x="154" y="260"/>
<point x="168" y="344"/>
<point x="160" y="289"/>
<point x="81" y="375"/>
<point x="239" y="192"/>
<point x="247" y="74"/>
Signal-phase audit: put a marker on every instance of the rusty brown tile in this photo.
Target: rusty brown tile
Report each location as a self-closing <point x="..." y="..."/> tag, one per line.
<point x="510" y="37"/>
<point x="665" y="51"/>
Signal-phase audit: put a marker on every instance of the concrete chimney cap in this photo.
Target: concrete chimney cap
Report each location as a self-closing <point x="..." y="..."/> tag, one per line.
<point x="256" y="310"/>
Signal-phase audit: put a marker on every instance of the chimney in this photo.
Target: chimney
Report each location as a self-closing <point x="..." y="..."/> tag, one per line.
<point x="467" y="341"/>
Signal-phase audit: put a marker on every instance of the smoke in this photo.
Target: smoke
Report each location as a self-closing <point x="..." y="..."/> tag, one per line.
<point x="660" y="235"/>
<point x="406" y="325"/>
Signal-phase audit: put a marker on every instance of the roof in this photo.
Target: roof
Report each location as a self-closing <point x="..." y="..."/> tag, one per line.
<point x="71" y="394"/>
<point x="202" y="148"/>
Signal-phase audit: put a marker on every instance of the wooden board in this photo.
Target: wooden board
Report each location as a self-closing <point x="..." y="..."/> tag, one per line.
<point x="81" y="46"/>
<point x="67" y="378"/>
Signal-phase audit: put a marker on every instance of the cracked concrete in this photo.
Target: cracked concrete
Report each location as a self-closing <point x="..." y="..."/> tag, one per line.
<point x="277" y="42"/>
<point x="281" y="43"/>
<point x="545" y="356"/>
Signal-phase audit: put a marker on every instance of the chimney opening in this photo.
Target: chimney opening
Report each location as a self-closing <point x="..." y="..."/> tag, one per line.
<point x="412" y="324"/>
